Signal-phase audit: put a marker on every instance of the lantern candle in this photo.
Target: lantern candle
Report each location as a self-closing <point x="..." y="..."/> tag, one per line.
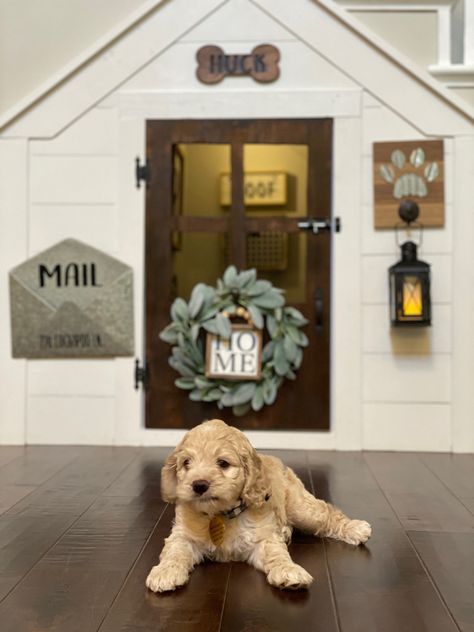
<point x="412" y="300"/>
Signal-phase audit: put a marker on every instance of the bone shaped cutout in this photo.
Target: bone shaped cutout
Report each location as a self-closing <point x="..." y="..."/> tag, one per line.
<point x="269" y="53"/>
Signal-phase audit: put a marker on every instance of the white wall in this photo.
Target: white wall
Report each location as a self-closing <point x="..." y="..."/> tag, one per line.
<point x="389" y="391"/>
<point x="73" y="192"/>
<point x="414" y="33"/>
<point x="13" y="248"/>
<point x="407" y="395"/>
<point x="438" y="36"/>
<point x="37" y="39"/>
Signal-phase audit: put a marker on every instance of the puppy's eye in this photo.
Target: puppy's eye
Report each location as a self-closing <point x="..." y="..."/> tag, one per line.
<point x="223" y="464"/>
<point x="186" y="463"/>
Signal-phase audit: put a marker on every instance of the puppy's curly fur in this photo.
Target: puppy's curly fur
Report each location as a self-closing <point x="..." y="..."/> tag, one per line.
<point x="215" y="469"/>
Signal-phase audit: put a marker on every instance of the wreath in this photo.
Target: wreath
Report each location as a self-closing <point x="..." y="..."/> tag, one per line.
<point x="210" y="309"/>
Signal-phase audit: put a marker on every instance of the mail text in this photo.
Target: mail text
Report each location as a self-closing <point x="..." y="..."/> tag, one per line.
<point x="73" y="274"/>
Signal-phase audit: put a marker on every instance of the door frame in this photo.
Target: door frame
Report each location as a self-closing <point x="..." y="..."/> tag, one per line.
<point x="352" y="167"/>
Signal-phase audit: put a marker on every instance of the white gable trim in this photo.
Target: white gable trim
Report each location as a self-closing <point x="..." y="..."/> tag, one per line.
<point x="174" y="104"/>
<point x="374" y="64"/>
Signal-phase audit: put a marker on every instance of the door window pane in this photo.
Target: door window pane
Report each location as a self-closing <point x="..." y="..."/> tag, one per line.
<point x="198" y="169"/>
<point x="275" y="186"/>
<point x="198" y="257"/>
<point x="201" y="258"/>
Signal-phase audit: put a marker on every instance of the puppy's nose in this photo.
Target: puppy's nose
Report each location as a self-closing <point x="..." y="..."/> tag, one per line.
<point x="200" y="486"/>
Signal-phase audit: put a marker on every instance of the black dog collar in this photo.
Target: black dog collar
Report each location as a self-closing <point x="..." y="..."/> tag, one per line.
<point x="236" y="511"/>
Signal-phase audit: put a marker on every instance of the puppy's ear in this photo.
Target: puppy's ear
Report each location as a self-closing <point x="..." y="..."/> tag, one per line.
<point x="169" y="478"/>
<point x="256" y="487"/>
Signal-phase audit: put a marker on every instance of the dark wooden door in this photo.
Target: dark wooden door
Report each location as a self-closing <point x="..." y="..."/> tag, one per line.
<point x="303" y="403"/>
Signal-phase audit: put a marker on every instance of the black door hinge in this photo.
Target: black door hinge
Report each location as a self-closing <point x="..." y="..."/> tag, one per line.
<point x="141" y="375"/>
<point x="142" y="172"/>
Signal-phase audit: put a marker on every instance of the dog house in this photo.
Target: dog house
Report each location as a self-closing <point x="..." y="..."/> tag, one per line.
<point x="254" y="125"/>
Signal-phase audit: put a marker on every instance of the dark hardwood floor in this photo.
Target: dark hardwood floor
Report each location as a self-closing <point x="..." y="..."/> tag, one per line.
<point x="81" y="527"/>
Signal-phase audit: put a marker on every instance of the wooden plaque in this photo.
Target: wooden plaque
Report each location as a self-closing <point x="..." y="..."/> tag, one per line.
<point x="261" y="64"/>
<point x="409" y="170"/>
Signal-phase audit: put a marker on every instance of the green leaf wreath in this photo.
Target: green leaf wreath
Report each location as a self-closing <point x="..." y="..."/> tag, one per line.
<point x="209" y="309"/>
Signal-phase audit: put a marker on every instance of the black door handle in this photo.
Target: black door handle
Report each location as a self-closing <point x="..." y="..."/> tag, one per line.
<point x="318" y="310"/>
<point x="316" y="225"/>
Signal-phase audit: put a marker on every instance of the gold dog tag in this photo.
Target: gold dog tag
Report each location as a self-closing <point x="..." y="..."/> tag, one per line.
<point x="216" y="530"/>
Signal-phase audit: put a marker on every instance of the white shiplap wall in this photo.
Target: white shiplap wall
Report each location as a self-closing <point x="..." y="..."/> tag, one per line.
<point x="73" y="192"/>
<point x="406" y="374"/>
<point x="13" y="249"/>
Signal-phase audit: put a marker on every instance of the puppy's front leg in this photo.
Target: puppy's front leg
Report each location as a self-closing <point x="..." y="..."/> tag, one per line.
<point x="272" y="557"/>
<point x="177" y="560"/>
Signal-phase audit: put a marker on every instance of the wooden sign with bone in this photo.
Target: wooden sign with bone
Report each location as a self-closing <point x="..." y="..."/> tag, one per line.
<point x="261" y="64"/>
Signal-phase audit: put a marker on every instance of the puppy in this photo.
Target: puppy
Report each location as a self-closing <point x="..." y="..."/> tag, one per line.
<point x="233" y="504"/>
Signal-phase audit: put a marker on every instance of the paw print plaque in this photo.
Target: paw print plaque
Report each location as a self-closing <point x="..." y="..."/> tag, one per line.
<point x="409" y="170"/>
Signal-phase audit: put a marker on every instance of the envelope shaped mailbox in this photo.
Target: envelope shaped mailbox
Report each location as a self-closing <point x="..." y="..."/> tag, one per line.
<point x="71" y="301"/>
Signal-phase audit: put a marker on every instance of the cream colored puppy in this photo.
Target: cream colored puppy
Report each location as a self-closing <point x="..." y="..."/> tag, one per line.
<point x="233" y="504"/>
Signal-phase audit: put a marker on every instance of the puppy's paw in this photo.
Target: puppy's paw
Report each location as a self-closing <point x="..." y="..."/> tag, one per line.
<point x="163" y="578"/>
<point x="356" y="532"/>
<point x="290" y="576"/>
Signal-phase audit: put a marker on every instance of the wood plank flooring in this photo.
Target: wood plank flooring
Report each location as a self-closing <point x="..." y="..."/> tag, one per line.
<point x="81" y="527"/>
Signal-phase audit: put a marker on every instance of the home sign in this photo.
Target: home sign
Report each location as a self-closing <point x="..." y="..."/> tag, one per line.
<point x="71" y="300"/>
<point x="261" y="64"/>
<point x="237" y="358"/>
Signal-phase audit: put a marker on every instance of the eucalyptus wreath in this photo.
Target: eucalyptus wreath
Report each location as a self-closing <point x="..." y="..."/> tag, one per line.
<point x="209" y="309"/>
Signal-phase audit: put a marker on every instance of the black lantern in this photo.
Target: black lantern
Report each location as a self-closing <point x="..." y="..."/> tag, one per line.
<point x="409" y="279"/>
